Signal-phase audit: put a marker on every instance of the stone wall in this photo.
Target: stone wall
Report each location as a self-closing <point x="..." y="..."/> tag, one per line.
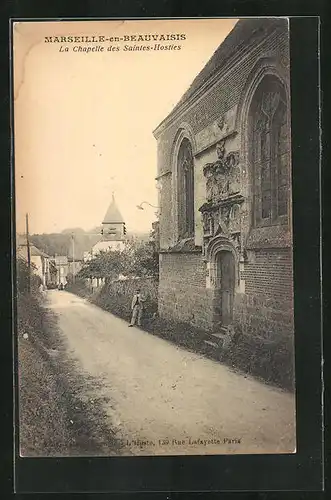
<point x="183" y="295"/>
<point x="269" y="273"/>
<point x="267" y="304"/>
<point x="117" y="296"/>
<point x="166" y="214"/>
<point x="264" y="308"/>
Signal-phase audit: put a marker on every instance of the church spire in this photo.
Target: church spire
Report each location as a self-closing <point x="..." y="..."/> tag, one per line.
<point x="113" y="215"/>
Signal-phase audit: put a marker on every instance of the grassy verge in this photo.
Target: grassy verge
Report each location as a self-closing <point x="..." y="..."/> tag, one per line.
<point x="271" y="362"/>
<point x="56" y="418"/>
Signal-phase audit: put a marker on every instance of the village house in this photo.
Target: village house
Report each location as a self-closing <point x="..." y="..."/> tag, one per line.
<point x="75" y="256"/>
<point x="62" y="267"/>
<point x="41" y="262"/>
<point x="225" y="199"/>
<point x="75" y="263"/>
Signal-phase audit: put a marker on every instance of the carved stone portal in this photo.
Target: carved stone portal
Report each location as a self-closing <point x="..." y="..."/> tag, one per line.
<point x="221" y="214"/>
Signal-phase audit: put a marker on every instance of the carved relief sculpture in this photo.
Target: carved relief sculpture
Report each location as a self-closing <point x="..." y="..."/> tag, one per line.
<point x="217" y="185"/>
<point x="223" y="176"/>
<point x="207" y="223"/>
<point x="235" y="181"/>
<point x="232" y="160"/>
<point x="220" y="150"/>
<point x="234" y="218"/>
<point x="224" y="216"/>
<point x="222" y="125"/>
<point x="236" y="241"/>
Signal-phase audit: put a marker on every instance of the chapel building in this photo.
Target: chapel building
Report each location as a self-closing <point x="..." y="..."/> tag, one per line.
<point x="224" y="170"/>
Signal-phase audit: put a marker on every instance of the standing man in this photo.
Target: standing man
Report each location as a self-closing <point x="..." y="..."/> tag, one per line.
<point x="137" y="308"/>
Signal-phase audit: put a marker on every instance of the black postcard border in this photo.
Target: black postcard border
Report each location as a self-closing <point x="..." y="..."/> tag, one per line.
<point x="301" y="471"/>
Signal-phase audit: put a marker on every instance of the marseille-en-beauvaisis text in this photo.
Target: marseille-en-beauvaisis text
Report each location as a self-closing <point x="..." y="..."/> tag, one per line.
<point x="124" y="38"/>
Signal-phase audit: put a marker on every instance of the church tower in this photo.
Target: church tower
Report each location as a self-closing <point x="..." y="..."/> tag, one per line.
<point x="113" y="225"/>
<point x="112" y="231"/>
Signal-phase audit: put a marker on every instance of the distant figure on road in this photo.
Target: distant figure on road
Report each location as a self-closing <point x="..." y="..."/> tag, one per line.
<point x="137" y="308"/>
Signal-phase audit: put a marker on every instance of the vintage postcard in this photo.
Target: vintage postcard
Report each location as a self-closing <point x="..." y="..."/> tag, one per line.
<point x="154" y="259"/>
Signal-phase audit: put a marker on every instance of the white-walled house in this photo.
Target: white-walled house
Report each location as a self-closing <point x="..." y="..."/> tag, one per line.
<point x="40" y="260"/>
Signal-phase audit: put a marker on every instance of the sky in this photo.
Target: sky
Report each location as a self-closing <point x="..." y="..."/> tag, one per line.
<point x="83" y="122"/>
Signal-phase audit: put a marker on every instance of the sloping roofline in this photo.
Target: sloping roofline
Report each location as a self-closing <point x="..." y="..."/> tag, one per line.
<point x="113" y="215"/>
<point x="238" y="37"/>
<point x="34" y="251"/>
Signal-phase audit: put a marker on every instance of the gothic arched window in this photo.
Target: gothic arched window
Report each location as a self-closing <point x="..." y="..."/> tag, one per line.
<point x="185" y="166"/>
<point x="270" y="153"/>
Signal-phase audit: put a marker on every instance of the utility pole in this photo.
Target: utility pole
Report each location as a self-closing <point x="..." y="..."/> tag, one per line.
<point x="28" y="251"/>
<point x="57" y="265"/>
<point x="73" y="258"/>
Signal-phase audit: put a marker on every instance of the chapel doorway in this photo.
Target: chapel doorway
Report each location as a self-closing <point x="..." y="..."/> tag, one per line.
<point x="225" y="286"/>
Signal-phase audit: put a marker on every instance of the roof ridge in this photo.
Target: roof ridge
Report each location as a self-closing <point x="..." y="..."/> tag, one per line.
<point x="237" y="38"/>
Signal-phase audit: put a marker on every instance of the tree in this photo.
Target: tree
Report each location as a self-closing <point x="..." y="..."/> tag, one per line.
<point x="104" y="265"/>
<point x="138" y="259"/>
<point x="144" y="259"/>
<point x="22" y="276"/>
<point x="70" y="278"/>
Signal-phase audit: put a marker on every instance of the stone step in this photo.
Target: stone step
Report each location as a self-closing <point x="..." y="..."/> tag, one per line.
<point x="209" y="342"/>
<point x="219" y="335"/>
<point x="223" y="339"/>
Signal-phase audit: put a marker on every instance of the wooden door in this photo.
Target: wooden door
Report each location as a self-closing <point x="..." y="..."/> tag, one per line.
<point x="227" y="286"/>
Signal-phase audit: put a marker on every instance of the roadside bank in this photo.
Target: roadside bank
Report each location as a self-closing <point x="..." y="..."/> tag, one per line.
<point x="271" y="362"/>
<point x="56" y="416"/>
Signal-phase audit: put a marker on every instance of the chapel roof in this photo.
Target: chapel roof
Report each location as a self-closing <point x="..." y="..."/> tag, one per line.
<point x="238" y="38"/>
<point x="113" y="215"/>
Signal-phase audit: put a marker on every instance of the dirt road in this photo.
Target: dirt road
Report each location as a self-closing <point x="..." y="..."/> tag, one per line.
<point x="160" y="399"/>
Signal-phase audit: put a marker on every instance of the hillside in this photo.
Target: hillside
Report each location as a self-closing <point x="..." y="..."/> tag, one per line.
<point x="62" y="243"/>
<point x="75" y="230"/>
